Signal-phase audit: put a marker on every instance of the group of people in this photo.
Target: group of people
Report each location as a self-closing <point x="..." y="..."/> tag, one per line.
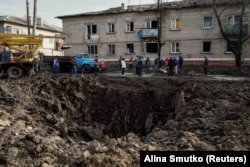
<point x="174" y="65"/>
<point x="98" y="66"/>
<point x="138" y="65"/>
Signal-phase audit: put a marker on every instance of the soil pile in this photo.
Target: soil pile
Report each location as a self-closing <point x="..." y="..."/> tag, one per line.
<point x="64" y="121"/>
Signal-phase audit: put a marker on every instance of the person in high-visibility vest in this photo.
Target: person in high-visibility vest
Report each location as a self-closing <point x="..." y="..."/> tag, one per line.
<point x="103" y="65"/>
<point x="11" y="59"/>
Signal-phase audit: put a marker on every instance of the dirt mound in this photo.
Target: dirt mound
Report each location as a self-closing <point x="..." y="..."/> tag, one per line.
<point x="62" y="120"/>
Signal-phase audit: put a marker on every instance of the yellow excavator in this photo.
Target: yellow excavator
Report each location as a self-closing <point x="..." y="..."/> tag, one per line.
<point x="21" y="63"/>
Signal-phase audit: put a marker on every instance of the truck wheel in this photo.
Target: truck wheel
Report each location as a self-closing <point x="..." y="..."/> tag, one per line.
<point x="15" y="72"/>
<point x="86" y="69"/>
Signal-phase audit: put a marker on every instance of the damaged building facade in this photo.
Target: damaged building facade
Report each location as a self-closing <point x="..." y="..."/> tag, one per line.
<point x="188" y="28"/>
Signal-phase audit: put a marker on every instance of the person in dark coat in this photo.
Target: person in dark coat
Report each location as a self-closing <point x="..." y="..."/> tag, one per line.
<point x="147" y="64"/>
<point x="205" y="65"/>
<point x="139" y="62"/>
<point x="56" y="65"/>
<point x="180" y="63"/>
<point x="171" y="66"/>
<point x="74" y="68"/>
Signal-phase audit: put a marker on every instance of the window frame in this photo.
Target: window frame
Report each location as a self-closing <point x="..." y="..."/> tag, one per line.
<point x="92" y="29"/>
<point x="149" y="24"/>
<point x="210" y="22"/>
<point x="234" y="19"/>
<point x="111" y="28"/>
<point x="175" y="24"/>
<point x="153" y="47"/>
<point x="175" y="47"/>
<point x="111" y="49"/>
<point x="128" y="47"/>
<point x="130" y="26"/>
<point x="92" y="49"/>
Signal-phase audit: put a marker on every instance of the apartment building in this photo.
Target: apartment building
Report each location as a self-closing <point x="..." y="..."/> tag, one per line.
<point x="188" y="28"/>
<point x="16" y="25"/>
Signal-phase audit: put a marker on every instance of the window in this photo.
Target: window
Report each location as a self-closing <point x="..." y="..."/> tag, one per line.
<point x="111" y="49"/>
<point x="152" y="47"/>
<point x="92" y="49"/>
<point x="207" y="22"/>
<point x="15" y="30"/>
<point x="152" y="24"/>
<point x="231" y="47"/>
<point x="91" y="29"/>
<point x="206" y="46"/>
<point x="51" y="40"/>
<point x="130" y="49"/>
<point x="130" y="26"/>
<point x="111" y="27"/>
<point x="9" y="29"/>
<point x="175" y="24"/>
<point x="234" y="20"/>
<point x="175" y="48"/>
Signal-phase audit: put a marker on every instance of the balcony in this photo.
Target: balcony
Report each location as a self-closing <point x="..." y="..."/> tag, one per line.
<point x="235" y="29"/>
<point x="148" y="33"/>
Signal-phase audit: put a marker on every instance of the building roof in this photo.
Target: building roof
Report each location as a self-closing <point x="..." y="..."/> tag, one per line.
<point x="23" y="22"/>
<point x="152" y="7"/>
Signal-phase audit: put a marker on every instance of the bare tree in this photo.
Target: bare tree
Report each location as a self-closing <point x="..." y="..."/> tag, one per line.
<point x="236" y="32"/>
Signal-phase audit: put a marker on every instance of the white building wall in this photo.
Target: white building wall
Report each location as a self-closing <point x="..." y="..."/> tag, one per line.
<point x="48" y="46"/>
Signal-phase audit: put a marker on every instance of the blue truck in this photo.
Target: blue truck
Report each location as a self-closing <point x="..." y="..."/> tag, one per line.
<point x="84" y="62"/>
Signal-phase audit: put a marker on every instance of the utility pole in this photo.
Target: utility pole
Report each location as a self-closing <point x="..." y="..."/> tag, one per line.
<point x="34" y="17"/>
<point x="159" y="19"/>
<point x="28" y="16"/>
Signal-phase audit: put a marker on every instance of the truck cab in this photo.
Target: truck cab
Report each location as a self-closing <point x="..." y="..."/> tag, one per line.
<point x="84" y="62"/>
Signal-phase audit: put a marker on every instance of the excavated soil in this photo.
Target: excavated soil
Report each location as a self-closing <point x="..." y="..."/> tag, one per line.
<point x="105" y="120"/>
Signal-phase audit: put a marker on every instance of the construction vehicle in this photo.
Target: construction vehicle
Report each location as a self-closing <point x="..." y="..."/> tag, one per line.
<point x="21" y="63"/>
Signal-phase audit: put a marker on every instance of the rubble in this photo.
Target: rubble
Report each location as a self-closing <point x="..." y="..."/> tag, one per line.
<point x="64" y="120"/>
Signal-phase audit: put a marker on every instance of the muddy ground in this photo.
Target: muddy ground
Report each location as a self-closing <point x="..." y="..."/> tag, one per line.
<point x="91" y="120"/>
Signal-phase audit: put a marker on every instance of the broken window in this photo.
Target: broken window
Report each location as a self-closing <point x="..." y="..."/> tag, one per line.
<point x="175" y="47"/>
<point x="92" y="49"/>
<point x="130" y="26"/>
<point x="231" y="46"/>
<point x="206" y="46"/>
<point x="175" y="24"/>
<point x="152" y="24"/>
<point x="152" y="47"/>
<point x="111" y="27"/>
<point x="91" y="29"/>
<point x="111" y="49"/>
<point x="207" y="22"/>
<point x="130" y="49"/>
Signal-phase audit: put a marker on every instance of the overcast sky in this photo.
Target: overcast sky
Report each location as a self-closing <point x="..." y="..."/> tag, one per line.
<point x="49" y="9"/>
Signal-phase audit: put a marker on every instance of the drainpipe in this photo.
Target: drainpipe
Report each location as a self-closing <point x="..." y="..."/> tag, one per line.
<point x="159" y="18"/>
